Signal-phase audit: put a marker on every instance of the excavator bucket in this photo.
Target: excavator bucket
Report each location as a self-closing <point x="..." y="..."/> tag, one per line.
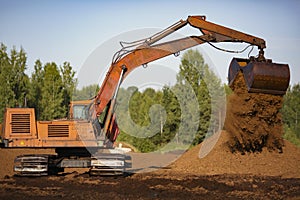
<point x="261" y="77"/>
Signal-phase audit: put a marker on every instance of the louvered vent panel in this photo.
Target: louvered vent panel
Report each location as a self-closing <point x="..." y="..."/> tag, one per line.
<point x="20" y="123"/>
<point x="58" y="130"/>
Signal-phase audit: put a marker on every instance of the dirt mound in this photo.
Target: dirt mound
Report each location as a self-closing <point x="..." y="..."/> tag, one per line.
<point x="253" y="119"/>
<point x="220" y="160"/>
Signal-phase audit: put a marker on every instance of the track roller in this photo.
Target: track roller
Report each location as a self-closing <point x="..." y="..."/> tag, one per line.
<point x="109" y="164"/>
<point x="31" y="165"/>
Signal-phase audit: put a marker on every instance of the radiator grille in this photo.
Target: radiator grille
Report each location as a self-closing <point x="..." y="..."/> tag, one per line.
<point x="58" y="130"/>
<point x="20" y="123"/>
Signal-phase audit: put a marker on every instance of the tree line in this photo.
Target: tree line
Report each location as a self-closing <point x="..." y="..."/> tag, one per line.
<point x="49" y="88"/>
<point x="181" y="115"/>
<point x="291" y="114"/>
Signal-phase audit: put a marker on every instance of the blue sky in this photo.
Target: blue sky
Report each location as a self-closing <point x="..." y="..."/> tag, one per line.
<point x="66" y="30"/>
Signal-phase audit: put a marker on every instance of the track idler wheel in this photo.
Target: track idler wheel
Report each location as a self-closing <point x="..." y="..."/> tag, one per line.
<point x="261" y="77"/>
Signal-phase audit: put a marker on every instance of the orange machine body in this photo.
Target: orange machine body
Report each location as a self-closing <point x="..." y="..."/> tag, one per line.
<point x="20" y="129"/>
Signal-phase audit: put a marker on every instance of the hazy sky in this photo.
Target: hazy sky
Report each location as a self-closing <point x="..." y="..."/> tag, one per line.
<point x="72" y="31"/>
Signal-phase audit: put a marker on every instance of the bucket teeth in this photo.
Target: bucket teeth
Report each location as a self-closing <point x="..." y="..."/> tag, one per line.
<point x="261" y="77"/>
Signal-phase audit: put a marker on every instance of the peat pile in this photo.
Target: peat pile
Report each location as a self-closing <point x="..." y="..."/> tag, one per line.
<point x="253" y="119"/>
<point x="220" y="160"/>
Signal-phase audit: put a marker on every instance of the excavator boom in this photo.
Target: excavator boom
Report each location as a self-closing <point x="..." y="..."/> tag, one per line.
<point x="261" y="74"/>
<point x="233" y="35"/>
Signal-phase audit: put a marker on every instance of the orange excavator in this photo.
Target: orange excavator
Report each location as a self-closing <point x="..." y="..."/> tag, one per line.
<point x="77" y="141"/>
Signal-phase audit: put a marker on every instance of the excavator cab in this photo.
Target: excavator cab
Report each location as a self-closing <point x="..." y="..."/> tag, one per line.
<point x="261" y="76"/>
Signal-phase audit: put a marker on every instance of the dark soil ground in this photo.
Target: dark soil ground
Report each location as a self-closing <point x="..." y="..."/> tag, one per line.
<point x="219" y="175"/>
<point x="151" y="186"/>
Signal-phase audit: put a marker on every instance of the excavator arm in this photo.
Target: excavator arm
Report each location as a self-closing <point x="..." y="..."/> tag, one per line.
<point x="137" y="58"/>
<point x="145" y="51"/>
<point x="221" y="32"/>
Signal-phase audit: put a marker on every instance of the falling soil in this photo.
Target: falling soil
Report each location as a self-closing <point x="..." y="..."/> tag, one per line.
<point x="253" y="119"/>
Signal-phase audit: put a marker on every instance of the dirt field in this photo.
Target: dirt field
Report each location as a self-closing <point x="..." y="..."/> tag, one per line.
<point x="219" y="175"/>
<point x="152" y="186"/>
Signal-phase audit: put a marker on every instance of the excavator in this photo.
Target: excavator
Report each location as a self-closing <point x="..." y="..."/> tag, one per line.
<point x="85" y="139"/>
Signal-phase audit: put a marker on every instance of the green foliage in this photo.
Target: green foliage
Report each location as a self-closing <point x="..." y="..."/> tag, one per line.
<point x="140" y="118"/>
<point x="291" y="136"/>
<point x="68" y="82"/>
<point x="52" y="94"/>
<point x="208" y="90"/>
<point x="180" y="115"/>
<point x="49" y="89"/>
<point x="35" y="90"/>
<point x="14" y="81"/>
<point x="86" y="92"/>
<point x="291" y="114"/>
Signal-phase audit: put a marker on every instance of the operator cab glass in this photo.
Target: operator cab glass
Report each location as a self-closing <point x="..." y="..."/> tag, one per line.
<point x="80" y="112"/>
